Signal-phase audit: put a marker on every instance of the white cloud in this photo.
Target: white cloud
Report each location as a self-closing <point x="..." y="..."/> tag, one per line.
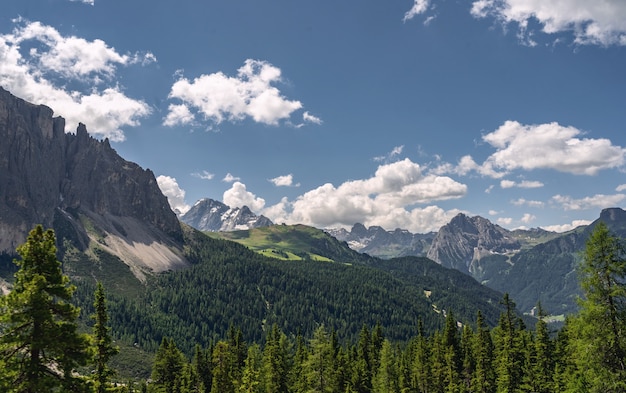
<point x="493" y="212"/>
<point x="309" y="118"/>
<point x="396" y="151"/>
<point x="90" y="2"/>
<point x="528" y="218"/>
<point x="384" y="199"/>
<point x="419" y="7"/>
<point x="522" y="184"/>
<point x="284" y="181"/>
<point x="178" y="114"/>
<point x="42" y="74"/>
<point x="204" y="175"/>
<point x="522" y="202"/>
<point x="549" y="146"/>
<point x="620" y="188"/>
<point x="599" y="201"/>
<point x="566" y="227"/>
<point x="592" y="22"/>
<point x="217" y="97"/>
<point x="175" y="195"/>
<point x="504" y="221"/>
<point x="229" y="178"/>
<point x="239" y="196"/>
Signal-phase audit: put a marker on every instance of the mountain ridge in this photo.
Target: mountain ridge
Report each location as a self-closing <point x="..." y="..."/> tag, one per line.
<point x="214" y="216"/>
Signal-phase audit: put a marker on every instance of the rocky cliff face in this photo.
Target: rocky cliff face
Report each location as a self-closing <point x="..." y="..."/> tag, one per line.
<point x="52" y="178"/>
<point x="378" y="242"/>
<point x="465" y="239"/>
<point x="214" y="216"/>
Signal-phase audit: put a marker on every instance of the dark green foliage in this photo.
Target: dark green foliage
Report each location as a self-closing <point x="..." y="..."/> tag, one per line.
<point x="40" y="347"/>
<point x="167" y="371"/>
<point x="598" y="333"/>
<point x="231" y="285"/>
<point x="103" y="345"/>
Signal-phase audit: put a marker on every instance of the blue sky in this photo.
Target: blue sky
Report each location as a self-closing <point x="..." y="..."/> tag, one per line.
<point x="393" y="113"/>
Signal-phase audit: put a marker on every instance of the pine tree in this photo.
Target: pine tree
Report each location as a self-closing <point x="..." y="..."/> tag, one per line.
<point x="483" y="379"/>
<point x="275" y="362"/>
<point x="386" y="379"/>
<point x="508" y="360"/>
<point x="599" y="331"/>
<point x="319" y="364"/>
<point x="169" y="363"/>
<point x="251" y="376"/>
<point x="39" y="342"/>
<point x="104" y="348"/>
<point x="222" y="369"/>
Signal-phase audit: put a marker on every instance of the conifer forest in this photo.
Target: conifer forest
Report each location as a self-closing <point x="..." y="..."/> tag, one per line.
<point x="46" y="347"/>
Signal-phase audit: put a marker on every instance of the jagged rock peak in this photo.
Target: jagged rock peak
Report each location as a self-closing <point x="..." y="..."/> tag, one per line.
<point x="214" y="216"/>
<point x="456" y="243"/>
<point x="44" y="170"/>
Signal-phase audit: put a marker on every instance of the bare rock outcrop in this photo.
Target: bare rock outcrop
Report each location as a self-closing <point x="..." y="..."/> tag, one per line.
<point x="52" y="178"/>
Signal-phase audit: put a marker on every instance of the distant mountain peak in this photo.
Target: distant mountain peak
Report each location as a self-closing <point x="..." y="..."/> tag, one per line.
<point x="214" y="216"/>
<point x="378" y="242"/>
<point x="464" y="239"/>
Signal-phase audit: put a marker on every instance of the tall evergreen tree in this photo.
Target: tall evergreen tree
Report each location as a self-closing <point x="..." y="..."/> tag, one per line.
<point x="319" y="367"/>
<point x="483" y="379"/>
<point x="599" y="331"/>
<point x="103" y="344"/>
<point x="168" y="367"/>
<point x="508" y="360"/>
<point x="39" y="342"/>
<point x="387" y="378"/>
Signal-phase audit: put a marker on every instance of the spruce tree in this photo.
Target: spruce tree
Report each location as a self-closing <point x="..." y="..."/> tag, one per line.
<point x="169" y="363"/>
<point x="599" y="331"/>
<point x="39" y="342"/>
<point x="104" y="348"/>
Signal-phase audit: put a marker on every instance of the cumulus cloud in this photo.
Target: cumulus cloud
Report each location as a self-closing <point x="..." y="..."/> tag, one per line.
<point x="566" y="227"/>
<point x="419" y="7"/>
<point x="597" y="22"/>
<point x="229" y="178"/>
<point x="41" y="75"/>
<point x="239" y="196"/>
<point x="284" y="181"/>
<point x="524" y="202"/>
<point x="549" y="146"/>
<point x="598" y="201"/>
<point x="620" y="188"/>
<point x="175" y="195"/>
<point x="204" y="175"/>
<point x="218" y="97"/>
<point x="385" y="199"/>
<point x="527" y="218"/>
<point x="90" y="2"/>
<point x="522" y="184"/>
<point x="504" y="221"/>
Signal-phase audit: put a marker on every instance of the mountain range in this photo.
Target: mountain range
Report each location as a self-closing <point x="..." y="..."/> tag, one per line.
<point x="165" y="278"/>
<point x="531" y="265"/>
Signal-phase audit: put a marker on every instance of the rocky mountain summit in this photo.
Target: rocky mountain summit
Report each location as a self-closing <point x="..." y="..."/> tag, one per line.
<point x="82" y="188"/>
<point x="464" y="241"/>
<point x="378" y="242"/>
<point x="214" y="216"/>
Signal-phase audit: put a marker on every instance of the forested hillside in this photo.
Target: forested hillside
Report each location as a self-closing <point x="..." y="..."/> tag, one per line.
<point x="230" y="285"/>
<point x="42" y="350"/>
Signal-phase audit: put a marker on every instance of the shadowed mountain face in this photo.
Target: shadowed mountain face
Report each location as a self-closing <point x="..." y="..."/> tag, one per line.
<point x="78" y="185"/>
